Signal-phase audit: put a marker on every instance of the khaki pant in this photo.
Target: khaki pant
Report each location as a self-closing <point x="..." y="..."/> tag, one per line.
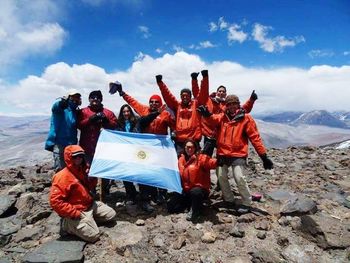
<point x="85" y="227"/>
<point x="243" y="189"/>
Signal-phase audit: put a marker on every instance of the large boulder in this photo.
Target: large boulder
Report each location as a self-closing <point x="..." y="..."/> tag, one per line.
<point x="57" y="251"/>
<point x="326" y="231"/>
<point x="298" y="205"/>
<point x="6" y="202"/>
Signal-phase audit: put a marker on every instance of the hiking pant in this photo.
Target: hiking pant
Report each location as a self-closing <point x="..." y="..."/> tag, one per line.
<point x="238" y="168"/>
<point x="58" y="157"/>
<point x="193" y="198"/>
<point x="130" y="191"/>
<point x="85" y="227"/>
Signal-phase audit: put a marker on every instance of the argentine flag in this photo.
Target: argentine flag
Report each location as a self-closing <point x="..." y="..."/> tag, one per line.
<point x="137" y="157"/>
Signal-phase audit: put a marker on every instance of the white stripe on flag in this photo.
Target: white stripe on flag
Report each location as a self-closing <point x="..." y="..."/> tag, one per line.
<point x="162" y="157"/>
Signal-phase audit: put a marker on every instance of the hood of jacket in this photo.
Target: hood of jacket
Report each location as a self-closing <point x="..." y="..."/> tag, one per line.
<point x="78" y="171"/>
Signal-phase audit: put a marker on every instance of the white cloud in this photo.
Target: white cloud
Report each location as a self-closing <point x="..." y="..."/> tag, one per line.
<point x="158" y="50"/>
<point x="145" y="31"/>
<point x="202" y="45"/>
<point x="222" y="23"/>
<point x="234" y="34"/>
<point x="346" y="53"/>
<point x="317" y="53"/>
<point x="139" y="56"/>
<point x="23" y="35"/>
<point x="213" y="27"/>
<point x="276" y="44"/>
<point x="177" y="48"/>
<point x="279" y="89"/>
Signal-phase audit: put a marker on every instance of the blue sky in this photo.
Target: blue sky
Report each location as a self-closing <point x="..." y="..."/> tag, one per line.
<point x="65" y="41"/>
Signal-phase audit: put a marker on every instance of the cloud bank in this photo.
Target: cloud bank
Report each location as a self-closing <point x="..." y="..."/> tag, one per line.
<point x="279" y="89"/>
<point x="23" y="35"/>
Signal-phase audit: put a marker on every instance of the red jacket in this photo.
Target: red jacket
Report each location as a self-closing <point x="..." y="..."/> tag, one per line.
<point x="196" y="171"/>
<point x="214" y="106"/>
<point x="234" y="135"/>
<point x="160" y="124"/>
<point x="89" y="131"/>
<point x="69" y="194"/>
<point x="188" y="120"/>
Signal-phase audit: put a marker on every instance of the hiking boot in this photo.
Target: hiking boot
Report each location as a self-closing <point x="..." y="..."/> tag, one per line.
<point x="160" y="199"/>
<point x="189" y="215"/>
<point x="147" y="207"/>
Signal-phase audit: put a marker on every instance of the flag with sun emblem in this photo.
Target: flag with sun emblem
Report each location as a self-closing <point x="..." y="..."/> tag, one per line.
<point x="137" y="157"/>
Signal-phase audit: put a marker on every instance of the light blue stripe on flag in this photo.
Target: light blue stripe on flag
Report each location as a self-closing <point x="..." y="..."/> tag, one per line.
<point x="141" y="158"/>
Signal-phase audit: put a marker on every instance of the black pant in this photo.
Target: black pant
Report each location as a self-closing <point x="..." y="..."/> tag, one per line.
<point x="147" y="192"/>
<point x="130" y="191"/>
<point x="194" y="199"/>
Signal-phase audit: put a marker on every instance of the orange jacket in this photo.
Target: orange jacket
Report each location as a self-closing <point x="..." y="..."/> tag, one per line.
<point x="214" y="106"/>
<point x="196" y="171"/>
<point x="69" y="194"/>
<point x="188" y="120"/>
<point x="234" y="135"/>
<point x="160" y="124"/>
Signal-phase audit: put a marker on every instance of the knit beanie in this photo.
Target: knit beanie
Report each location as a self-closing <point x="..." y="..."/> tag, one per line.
<point x="157" y="98"/>
<point x="96" y="93"/>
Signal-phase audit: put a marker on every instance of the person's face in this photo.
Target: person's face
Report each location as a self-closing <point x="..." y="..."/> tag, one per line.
<point x="221" y="93"/>
<point x="185" y="98"/>
<point x="232" y="107"/>
<point x="126" y="113"/>
<point x="78" y="160"/>
<point x="154" y="105"/>
<point x="76" y="99"/>
<point x="190" y="148"/>
<point x="95" y="101"/>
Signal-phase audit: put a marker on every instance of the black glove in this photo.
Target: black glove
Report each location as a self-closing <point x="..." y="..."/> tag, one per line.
<point x="63" y="103"/>
<point x="268" y="164"/>
<point x="209" y="146"/>
<point x="94" y="118"/>
<point x="203" y="110"/>
<point x="115" y="87"/>
<point x="159" y="78"/>
<point x="103" y="118"/>
<point x="253" y="96"/>
<point x="194" y="75"/>
<point x="98" y="117"/>
<point x="204" y="73"/>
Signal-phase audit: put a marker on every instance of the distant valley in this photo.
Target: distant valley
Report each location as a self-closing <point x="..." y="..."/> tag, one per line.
<point x="22" y="138"/>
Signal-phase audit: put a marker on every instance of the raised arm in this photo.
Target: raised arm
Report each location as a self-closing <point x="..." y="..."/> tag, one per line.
<point x="194" y="83"/>
<point x="168" y="97"/>
<point x="204" y="91"/>
<point x="248" y="105"/>
<point x="139" y="108"/>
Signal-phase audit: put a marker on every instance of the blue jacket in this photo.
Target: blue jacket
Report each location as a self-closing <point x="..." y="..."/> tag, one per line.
<point x="63" y="126"/>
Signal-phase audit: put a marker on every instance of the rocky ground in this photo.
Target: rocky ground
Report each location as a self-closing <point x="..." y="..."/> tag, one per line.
<point x="304" y="216"/>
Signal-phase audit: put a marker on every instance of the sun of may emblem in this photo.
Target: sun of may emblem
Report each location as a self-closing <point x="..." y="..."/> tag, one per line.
<point x="142" y="155"/>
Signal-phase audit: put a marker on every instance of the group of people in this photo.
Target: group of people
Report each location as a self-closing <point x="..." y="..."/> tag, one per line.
<point x="220" y="119"/>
